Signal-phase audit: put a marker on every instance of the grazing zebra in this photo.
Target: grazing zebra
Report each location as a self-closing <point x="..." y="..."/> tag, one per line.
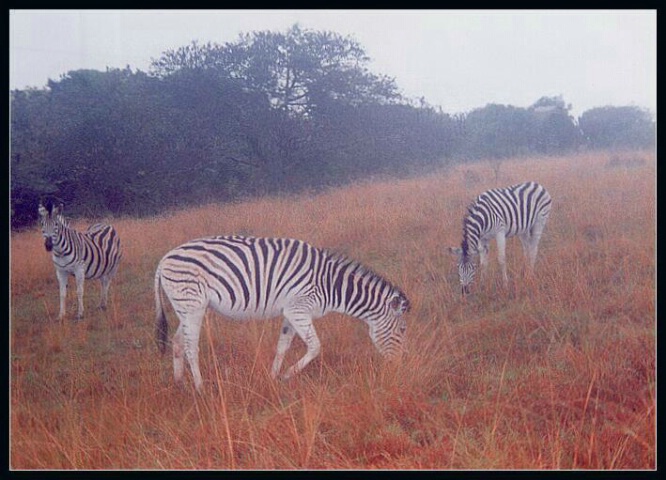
<point x="520" y="210"/>
<point x="248" y="277"/>
<point x="92" y="254"/>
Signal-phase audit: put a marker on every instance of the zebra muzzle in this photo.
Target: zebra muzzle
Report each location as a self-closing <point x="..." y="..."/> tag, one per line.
<point x="48" y="244"/>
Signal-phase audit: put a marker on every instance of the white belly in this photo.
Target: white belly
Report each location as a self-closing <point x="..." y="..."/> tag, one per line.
<point x="240" y="312"/>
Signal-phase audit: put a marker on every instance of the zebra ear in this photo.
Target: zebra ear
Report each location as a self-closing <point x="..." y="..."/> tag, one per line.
<point x="42" y="210"/>
<point x="57" y="208"/>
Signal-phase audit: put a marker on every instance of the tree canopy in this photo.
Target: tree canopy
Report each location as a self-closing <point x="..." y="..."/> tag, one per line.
<point x="618" y="127"/>
<point x="269" y="113"/>
<point x="296" y="71"/>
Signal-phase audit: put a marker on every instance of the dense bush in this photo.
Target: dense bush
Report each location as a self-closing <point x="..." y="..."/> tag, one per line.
<point x="272" y="112"/>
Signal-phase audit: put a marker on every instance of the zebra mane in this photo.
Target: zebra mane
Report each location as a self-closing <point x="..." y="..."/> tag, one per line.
<point x="466" y="223"/>
<point x="362" y="269"/>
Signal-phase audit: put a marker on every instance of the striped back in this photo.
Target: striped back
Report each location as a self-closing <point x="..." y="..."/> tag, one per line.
<point x="246" y="274"/>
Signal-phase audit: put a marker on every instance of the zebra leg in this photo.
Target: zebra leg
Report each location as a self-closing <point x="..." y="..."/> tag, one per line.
<point x="501" y="256"/>
<point x="287" y="334"/>
<point x="80" y="279"/>
<point x="532" y="254"/>
<point x="106" y="282"/>
<point x="535" y="238"/>
<point x="190" y="325"/>
<point x="483" y="257"/>
<point x="526" y="241"/>
<point x="178" y="355"/>
<point x="62" y="284"/>
<point x="304" y="328"/>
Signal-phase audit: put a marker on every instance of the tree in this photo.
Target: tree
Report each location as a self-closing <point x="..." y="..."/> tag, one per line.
<point x="104" y="138"/>
<point x="30" y="129"/>
<point x="618" y="127"/>
<point x="297" y="71"/>
<point x="295" y="79"/>
<point x="192" y="57"/>
<point x="497" y="131"/>
<point x="556" y="129"/>
<point x="271" y="112"/>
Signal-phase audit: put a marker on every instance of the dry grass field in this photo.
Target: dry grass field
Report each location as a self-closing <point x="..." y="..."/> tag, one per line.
<point x="557" y="372"/>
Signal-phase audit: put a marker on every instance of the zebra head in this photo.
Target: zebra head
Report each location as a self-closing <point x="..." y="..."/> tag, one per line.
<point x="466" y="268"/>
<point x="388" y="332"/>
<point x="51" y="219"/>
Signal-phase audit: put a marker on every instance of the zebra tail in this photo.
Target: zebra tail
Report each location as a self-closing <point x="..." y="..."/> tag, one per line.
<point x="161" y="325"/>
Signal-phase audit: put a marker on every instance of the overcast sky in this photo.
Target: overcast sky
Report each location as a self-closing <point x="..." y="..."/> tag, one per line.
<point x="457" y="59"/>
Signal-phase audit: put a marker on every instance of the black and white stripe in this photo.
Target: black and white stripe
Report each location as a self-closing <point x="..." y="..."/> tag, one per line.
<point x="93" y="254"/>
<point x="248" y="277"/>
<point x="520" y="210"/>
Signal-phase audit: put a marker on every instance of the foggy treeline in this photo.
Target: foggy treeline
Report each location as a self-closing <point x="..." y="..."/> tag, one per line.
<point x="268" y="113"/>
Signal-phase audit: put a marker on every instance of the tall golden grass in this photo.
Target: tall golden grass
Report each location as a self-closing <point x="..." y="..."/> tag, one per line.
<point x="558" y="372"/>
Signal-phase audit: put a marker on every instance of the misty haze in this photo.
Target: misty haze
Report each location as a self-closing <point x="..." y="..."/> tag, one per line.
<point x="202" y="183"/>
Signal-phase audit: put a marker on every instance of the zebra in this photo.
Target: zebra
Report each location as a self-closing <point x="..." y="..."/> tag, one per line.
<point x="92" y="254"/>
<point x="521" y="210"/>
<point x="245" y="277"/>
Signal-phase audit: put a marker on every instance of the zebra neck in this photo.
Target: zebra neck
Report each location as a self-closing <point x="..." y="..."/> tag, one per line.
<point x="354" y="290"/>
<point x="61" y="245"/>
<point x="470" y="242"/>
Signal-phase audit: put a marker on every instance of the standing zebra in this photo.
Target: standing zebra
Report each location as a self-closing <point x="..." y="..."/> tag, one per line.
<point x="248" y="277"/>
<point x="520" y="210"/>
<point x="93" y="254"/>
